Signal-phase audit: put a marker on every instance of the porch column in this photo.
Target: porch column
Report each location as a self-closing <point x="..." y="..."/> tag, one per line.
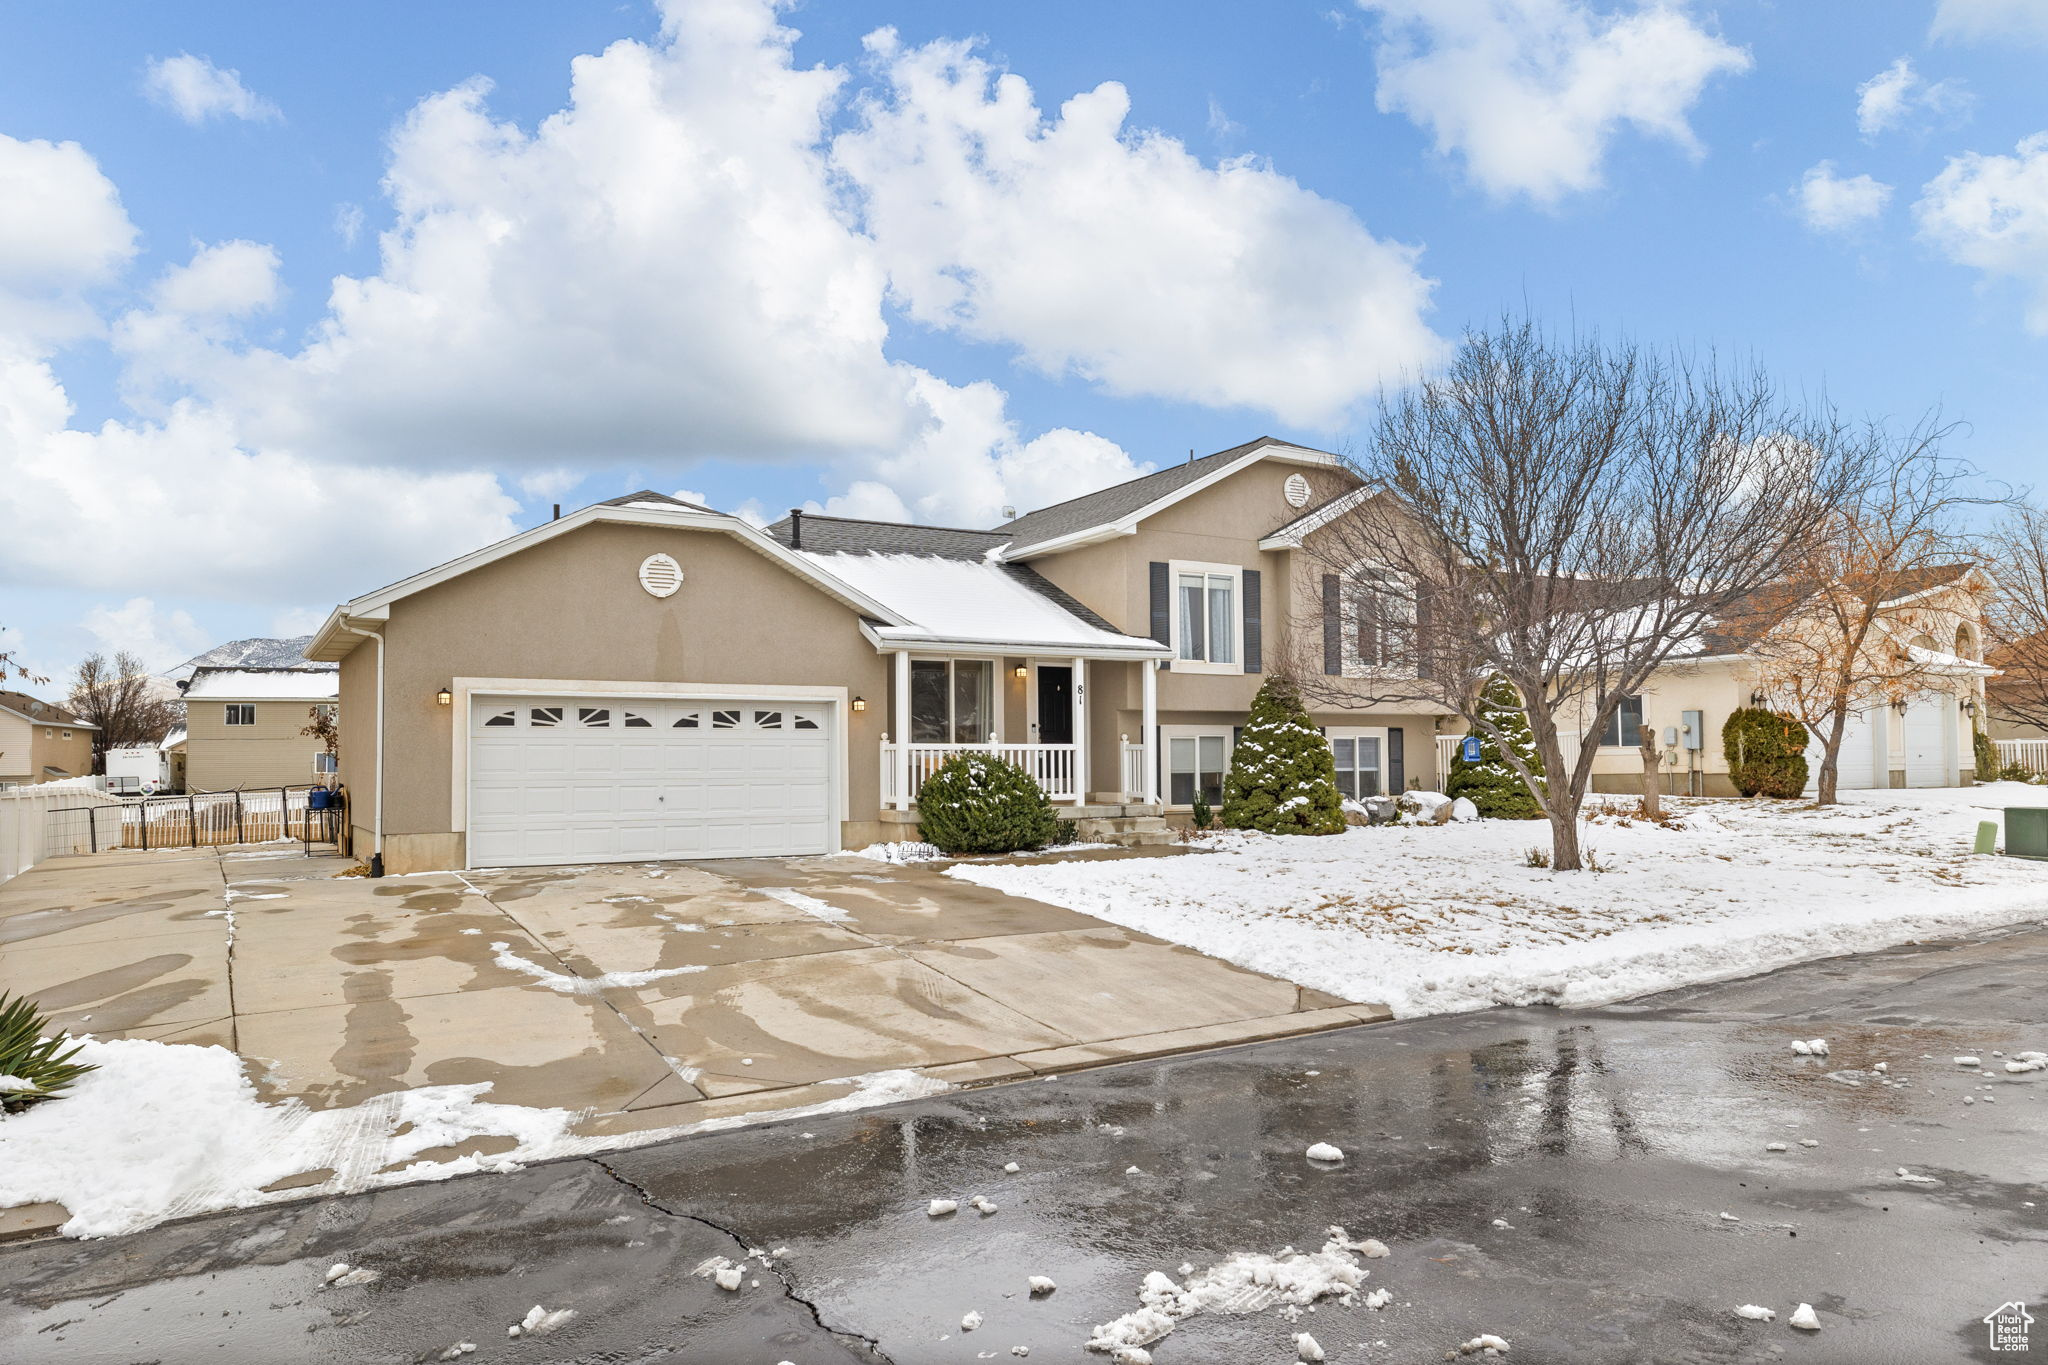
<point x="901" y="702"/>
<point x="1149" y="736"/>
<point x="1080" y="732"/>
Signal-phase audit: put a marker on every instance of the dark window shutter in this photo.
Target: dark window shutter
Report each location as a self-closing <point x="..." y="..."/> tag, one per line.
<point x="1369" y="627"/>
<point x="1333" y="625"/>
<point x="1425" y="639"/>
<point x="1252" y="626"/>
<point x="1236" y="735"/>
<point x="1162" y="604"/>
<point x="1397" y="760"/>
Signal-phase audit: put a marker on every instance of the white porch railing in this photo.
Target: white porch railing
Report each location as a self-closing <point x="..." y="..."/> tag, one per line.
<point x="1446" y="752"/>
<point x="1051" y="765"/>
<point x="1133" y="770"/>
<point x="2031" y="754"/>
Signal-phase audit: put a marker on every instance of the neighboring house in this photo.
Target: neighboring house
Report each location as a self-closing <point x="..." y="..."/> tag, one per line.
<point x="242" y="727"/>
<point x="646" y="678"/>
<point x="172" y="746"/>
<point x="2023" y="666"/>
<point x="1922" y="739"/>
<point x="41" y="741"/>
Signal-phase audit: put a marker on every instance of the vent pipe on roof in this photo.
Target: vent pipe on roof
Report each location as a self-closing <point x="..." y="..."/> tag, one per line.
<point x="796" y="528"/>
<point x="558" y="512"/>
<point x="1191" y="454"/>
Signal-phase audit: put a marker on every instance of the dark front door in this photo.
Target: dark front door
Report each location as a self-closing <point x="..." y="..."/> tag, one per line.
<point x="1055" y="705"/>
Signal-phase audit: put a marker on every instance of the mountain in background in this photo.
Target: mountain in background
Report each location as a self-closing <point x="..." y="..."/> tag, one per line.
<point x="254" y="653"/>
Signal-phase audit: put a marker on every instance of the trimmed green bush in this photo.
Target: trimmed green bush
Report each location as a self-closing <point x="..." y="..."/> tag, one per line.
<point x="1985" y="754"/>
<point x="1492" y="785"/>
<point x="1766" y="752"/>
<point x="44" y="1065"/>
<point x="977" y="803"/>
<point x="1283" y="778"/>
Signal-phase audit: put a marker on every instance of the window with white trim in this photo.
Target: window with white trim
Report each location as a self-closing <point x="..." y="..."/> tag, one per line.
<point x="1379" y="620"/>
<point x="1196" y="762"/>
<point x="1361" y="758"/>
<point x="1206" y="616"/>
<point x="1625" y="725"/>
<point x="952" y="701"/>
<point x="239" y="713"/>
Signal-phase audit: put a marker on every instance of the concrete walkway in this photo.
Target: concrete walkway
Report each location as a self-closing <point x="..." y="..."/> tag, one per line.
<point x="648" y="995"/>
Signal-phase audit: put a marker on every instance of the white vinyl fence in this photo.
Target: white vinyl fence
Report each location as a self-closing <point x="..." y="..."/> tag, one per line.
<point x="199" y="820"/>
<point x="2031" y="754"/>
<point x="27" y="824"/>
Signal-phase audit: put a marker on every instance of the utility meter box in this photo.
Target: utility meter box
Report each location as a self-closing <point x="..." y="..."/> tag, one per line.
<point x="1694" y="733"/>
<point x="2026" y="832"/>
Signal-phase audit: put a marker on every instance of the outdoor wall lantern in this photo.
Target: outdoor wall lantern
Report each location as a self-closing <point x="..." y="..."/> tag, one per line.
<point x="445" y="697"/>
<point x="1969" y="706"/>
<point x="860" y="703"/>
<point x="1757" y="698"/>
<point x="1023" y="672"/>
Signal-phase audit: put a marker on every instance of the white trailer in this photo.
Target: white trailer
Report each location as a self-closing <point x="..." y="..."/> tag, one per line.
<point x="133" y="772"/>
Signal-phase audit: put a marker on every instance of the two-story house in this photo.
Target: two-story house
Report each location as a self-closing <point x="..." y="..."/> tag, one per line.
<point x="245" y="728"/>
<point x="647" y="678"/>
<point x="41" y="741"/>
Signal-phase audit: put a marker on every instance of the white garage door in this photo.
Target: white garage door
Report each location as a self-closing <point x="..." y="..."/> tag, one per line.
<point x="615" y="779"/>
<point x="1858" y="768"/>
<point x="1928" y="736"/>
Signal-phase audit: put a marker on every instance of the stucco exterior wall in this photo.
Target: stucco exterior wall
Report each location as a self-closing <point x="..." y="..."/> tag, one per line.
<point x="571" y="609"/>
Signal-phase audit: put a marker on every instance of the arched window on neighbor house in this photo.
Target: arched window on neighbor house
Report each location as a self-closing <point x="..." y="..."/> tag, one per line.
<point x="1966" y="641"/>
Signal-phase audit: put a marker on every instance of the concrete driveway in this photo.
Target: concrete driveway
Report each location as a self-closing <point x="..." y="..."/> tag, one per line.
<point x="648" y="995"/>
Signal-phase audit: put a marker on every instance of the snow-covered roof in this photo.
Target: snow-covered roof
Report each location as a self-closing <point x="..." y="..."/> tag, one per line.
<point x="1938" y="661"/>
<point x="967" y="601"/>
<point x="264" y="684"/>
<point x="172" y="738"/>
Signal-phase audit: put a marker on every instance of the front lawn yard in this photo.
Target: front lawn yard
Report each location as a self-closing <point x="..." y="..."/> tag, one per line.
<point x="1431" y="919"/>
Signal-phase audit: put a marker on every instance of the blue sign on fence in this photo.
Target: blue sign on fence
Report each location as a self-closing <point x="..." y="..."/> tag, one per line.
<point x="1469" y="750"/>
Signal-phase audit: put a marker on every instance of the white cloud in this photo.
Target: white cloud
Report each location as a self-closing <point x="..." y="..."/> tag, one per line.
<point x="1991" y="213"/>
<point x="294" y="621"/>
<point x="348" y="223"/>
<point x="196" y="90"/>
<point x="64" y="231"/>
<point x="1115" y="254"/>
<point x="229" y="279"/>
<point x="1897" y="94"/>
<point x="1991" y="20"/>
<point x="159" y="638"/>
<point x="1831" y="203"/>
<point x="1531" y="92"/>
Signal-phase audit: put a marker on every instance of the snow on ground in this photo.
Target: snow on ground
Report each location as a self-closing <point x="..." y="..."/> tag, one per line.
<point x="166" y="1130"/>
<point x="1435" y="918"/>
<point x="903" y="854"/>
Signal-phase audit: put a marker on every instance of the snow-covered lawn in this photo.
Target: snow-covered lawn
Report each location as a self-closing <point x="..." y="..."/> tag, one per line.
<point x="1433" y="918"/>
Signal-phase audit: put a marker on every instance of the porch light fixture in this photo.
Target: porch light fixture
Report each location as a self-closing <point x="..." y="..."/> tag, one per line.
<point x="860" y="703"/>
<point x="1757" y="698"/>
<point x="1969" y="706"/>
<point x="1023" y="672"/>
<point x="445" y="697"/>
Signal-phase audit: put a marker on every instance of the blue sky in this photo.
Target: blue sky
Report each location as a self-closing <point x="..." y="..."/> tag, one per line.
<point x="951" y="307"/>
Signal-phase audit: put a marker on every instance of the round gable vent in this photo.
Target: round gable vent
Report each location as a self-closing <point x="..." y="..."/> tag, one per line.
<point x="1297" y="491"/>
<point x="661" y="575"/>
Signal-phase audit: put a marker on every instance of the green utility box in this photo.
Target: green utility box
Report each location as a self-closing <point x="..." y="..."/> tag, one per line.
<point x="2026" y="832"/>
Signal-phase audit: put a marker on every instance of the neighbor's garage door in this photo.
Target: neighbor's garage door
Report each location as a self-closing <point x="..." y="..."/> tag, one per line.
<point x="1857" y="767"/>
<point x="1929" y="732"/>
<point x="581" y="779"/>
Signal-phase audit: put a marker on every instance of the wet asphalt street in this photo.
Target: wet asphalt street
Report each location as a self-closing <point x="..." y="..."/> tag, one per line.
<point x="1611" y="1142"/>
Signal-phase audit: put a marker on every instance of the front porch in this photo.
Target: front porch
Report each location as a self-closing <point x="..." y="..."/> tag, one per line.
<point x="942" y="706"/>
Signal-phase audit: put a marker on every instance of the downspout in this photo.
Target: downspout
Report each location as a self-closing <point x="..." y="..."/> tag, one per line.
<point x="377" y="781"/>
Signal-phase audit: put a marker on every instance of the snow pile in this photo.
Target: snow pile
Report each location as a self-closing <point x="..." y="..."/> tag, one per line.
<point x="1323" y="1151"/>
<point x="1041" y="1284"/>
<point x="810" y="905"/>
<point x="1812" y="1047"/>
<point x="2027" y="1061"/>
<point x="1435" y="919"/>
<point x="1485" y="1343"/>
<point x="1804" y="1318"/>
<point x="899" y="854"/>
<point x="502" y="954"/>
<point x="939" y="1208"/>
<point x="1756" y="1312"/>
<point x="540" y="1321"/>
<point x="1244" y="1283"/>
<point x="1306" y="1348"/>
<point x="170" y="1130"/>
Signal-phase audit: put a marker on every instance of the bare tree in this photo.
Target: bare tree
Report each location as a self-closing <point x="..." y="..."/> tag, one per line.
<point x="2016" y="549"/>
<point x="1846" y="620"/>
<point x="1568" y="515"/>
<point x="10" y="669"/>
<point x="119" y="698"/>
